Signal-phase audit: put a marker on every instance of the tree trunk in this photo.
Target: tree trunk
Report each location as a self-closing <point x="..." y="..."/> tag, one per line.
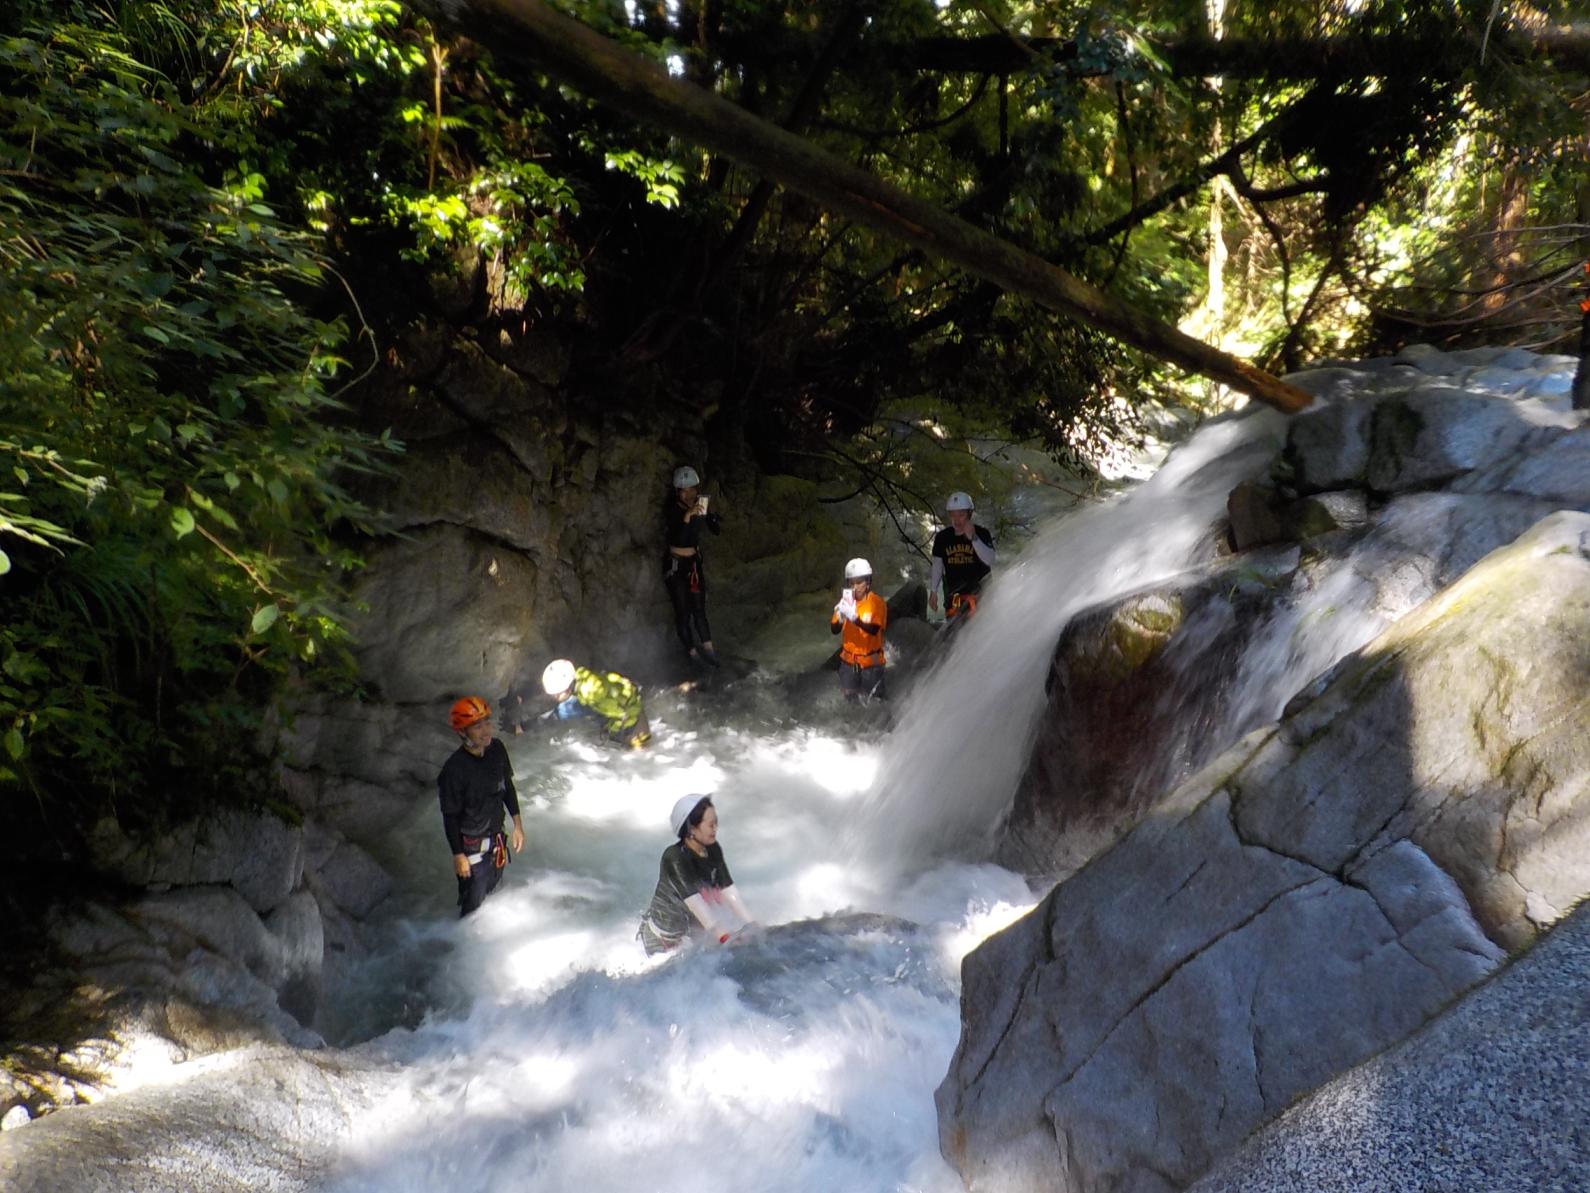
<point x="1213" y="320"/>
<point x="1506" y="259"/>
<point x="606" y="72"/>
<point x="1345" y="57"/>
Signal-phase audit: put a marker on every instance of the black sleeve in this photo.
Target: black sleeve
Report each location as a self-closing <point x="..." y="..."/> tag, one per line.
<point x="836" y="626"/>
<point x="676" y="531"/>
<point x="451" y="799"/>
<point x="510" y="795"/>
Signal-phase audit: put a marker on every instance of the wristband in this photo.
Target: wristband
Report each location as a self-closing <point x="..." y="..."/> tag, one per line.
<point x="724" y="939"/>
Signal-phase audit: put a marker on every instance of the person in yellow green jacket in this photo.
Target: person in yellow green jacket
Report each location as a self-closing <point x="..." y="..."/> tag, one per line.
<point x="581" y="692"/>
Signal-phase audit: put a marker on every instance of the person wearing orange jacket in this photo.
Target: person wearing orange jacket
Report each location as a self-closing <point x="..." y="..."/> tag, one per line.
<point x="859" y="619"/>
<point x="475" y="788"/>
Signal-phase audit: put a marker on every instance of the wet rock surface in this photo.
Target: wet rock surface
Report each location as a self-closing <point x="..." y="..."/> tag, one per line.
<point x="256" y="1118"/>
<point x="1310" y="898"/>
<point x="1410" y="471"/>
<point x="1122" y="727"/>
<point x="228" y="933"/>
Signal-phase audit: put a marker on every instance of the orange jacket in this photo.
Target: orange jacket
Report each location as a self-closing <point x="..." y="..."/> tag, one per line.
<point x="857" y="647"/>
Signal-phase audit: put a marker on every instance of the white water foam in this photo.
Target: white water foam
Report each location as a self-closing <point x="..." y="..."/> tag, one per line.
<point x="951" y="765"/>
<point x="803" y="1058"/>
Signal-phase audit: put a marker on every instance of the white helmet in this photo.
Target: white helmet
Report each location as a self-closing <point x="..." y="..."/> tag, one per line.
<point x="683" y="806"/>
<point x="958" y="501"/>
<point x="857" y="568"/>
<point x="558" y="677"/>
<point x="685" y="477"/>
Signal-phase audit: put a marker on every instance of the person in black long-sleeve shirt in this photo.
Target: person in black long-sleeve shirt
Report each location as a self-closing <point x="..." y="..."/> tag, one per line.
<point x="684" y="515"/>
<point x="475" y="788"/>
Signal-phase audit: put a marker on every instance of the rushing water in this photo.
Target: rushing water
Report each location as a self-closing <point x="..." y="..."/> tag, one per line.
<point x="802" y="1058"/>
<point x="547" y="1052"/>
<point x="556" y="1056"/>
<point x="948" y="771"/>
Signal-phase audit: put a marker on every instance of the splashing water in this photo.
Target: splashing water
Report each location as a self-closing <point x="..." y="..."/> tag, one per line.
<point x="802" y="1058"/>
<point x="553" y="1055"/>
<point x="947" y="772"/>
<point x="806" y="1057"/>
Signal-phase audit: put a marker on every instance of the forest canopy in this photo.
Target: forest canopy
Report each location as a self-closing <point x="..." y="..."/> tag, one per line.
<point x="214" y="215"/>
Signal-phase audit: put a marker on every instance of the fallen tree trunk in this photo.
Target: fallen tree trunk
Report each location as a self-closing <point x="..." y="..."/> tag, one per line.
<point x="607" y="72"/>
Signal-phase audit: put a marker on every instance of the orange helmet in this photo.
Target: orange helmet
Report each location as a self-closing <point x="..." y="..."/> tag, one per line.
<point x="467" y="712"/>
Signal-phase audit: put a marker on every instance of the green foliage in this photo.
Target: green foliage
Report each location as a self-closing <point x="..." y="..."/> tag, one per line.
<point x="177" y="175"/>
<point x="174" y="463"/>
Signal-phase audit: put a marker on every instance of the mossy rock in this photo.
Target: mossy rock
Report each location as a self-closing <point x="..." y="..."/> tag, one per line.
<point x="1136" y="633"/>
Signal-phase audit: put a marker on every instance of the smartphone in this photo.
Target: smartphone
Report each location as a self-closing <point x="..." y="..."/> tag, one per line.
<point x="701" y="504"/>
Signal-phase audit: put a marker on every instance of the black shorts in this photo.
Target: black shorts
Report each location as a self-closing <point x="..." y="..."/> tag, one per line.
<point x="862" y="683"/>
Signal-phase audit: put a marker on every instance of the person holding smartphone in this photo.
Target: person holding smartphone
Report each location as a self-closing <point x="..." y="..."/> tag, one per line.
<point x="963" y="557"/>
<point x="860" y="618"/>
<point x="685" y="514"/>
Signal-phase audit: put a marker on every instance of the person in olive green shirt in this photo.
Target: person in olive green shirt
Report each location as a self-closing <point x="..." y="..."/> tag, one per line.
<point x="615" y="699"/>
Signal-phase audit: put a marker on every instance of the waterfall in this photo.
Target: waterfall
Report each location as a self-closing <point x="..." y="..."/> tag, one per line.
<point x="544" y="1051"/>
<point x="947" y="772"/>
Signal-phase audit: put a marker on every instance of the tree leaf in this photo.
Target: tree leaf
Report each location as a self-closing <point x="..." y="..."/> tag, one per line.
<point x="14" y="743"/>
<point x="182" y="521"/>
<point x="5" y="563"/>
<point x="264" y="617"/>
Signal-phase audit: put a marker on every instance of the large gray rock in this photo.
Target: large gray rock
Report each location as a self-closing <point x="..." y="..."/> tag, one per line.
<point x="1488" y="1096"/>
<point x="352" y="880"/>
<point x="297" y="927"/>
<point x="215" y="919"/>
<point x="1140" y="696"/>
<point x="1144" y="691"/>
<point x="1328" y="447"/>
<point x="1121" y="729"/>
<point x="1310" y="898"/>
<point x="1556" y="471"/>
<point x="267" y="1118"/>
<point x="448" y="612"/>
<point x="183" y="973"/>
<point x="258" y="854"/>
<point x="355" y="768"/>
<point x="1431" y="436"/>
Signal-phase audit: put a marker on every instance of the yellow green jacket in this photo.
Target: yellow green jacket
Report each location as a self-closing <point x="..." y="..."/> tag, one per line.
<point x="609" y="695"/>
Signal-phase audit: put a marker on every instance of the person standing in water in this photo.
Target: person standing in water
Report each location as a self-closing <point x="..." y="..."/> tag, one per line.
<point x="581" y="692"/>
<point x="475" y="789"/>
<point x="860" y="618"/>
<point x="695" y="893"/>
<point x="684" y="516"/>
<point x="963" y="556"/>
